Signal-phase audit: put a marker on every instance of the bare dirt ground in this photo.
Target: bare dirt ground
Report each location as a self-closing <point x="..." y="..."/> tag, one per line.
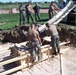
<point x="64" y="64"/>
<point x="16" y="11"/>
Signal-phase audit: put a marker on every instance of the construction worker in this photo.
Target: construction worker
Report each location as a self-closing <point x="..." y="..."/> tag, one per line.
<point x="29" y="11"/>
<point x="35" y="41"/>
<point x="37" y="12"/>
<point x="22" y="13"/>
<point x="52" y="10"/>
<point x="63" y="4"/>
<point x="54" y="37"/>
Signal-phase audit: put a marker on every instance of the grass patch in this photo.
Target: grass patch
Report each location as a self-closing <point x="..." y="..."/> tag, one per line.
<point x="10" y="20"/>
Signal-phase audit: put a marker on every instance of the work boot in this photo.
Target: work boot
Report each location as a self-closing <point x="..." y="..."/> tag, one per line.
<point x="33" y="60"/>
<point x="54" y="53"/>
<point x="23" y="23"/>
<point x="58" y="51"/>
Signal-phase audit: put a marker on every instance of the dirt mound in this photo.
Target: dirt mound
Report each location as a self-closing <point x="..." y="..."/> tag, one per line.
<point x="16" y="35"/>
<point x="19" y="34"/>
<point x="67" y="34"/>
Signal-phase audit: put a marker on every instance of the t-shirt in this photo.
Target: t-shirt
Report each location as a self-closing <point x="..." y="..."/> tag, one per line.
<point x="29" y="9"/>
<point x="21" y="9"/>
<point x="33" y="34"/>
<point x="36" y="9"/>
<point x="52" y="30"/>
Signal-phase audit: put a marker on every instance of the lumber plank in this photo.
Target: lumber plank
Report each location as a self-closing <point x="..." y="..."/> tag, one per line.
<point x="11" y="70"/>
<point x="47" y="47"/>
<point x="64" y="43"/>
<point x="23" y="57"/>
<point x="13" y="60"/>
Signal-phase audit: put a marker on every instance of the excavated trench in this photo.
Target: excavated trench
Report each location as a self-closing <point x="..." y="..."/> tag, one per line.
<point x="19" y="34"/>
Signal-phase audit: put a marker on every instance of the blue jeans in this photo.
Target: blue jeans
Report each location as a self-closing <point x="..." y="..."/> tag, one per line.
<point x="36" y="48"/>
<point x="55" y="43"/>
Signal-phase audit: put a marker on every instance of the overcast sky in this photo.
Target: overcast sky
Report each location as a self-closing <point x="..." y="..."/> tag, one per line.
<point x="25" y="0"/>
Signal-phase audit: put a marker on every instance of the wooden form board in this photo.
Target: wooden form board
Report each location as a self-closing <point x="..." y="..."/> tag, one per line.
<point x="23" y="61"/>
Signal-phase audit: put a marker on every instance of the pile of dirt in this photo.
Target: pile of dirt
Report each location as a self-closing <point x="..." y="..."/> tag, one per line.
<point x="67" y="34"/>
<point x="19" y="34"/>
<point x="15" y="35"/>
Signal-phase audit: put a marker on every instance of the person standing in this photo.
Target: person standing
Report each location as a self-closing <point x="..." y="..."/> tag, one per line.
<point x="22" y="14"/>
<point x="63" y="4"/>
<point x="29" y="11"/>
<point x="52" y="10"/>
<point x="52" y="30"/>
<point x="35" y="41"/>
<point x="37" y="12"/>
